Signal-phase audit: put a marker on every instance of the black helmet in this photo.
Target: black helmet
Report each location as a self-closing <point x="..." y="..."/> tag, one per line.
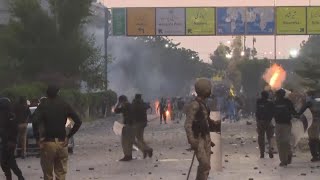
<point x="5" y="103"/>
<point x="123" y="98"/>
<point x="265" y="94"/>
<point x="52" y="90"/>
<point x="280" y="93"/>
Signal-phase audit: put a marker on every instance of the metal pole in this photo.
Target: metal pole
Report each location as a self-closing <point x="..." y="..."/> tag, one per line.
<point x="106" y="35"/>
<point x="275" y="38"/>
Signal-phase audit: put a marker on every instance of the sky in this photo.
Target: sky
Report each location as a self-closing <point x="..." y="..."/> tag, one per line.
<point x="206" y="45"/>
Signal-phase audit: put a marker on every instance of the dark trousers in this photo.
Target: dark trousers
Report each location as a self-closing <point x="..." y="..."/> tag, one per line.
<point x="265" y="128"/>
<point x="8" y="162"/>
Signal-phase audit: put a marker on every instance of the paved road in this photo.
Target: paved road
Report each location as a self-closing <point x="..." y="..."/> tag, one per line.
<point x="99" y="149"/>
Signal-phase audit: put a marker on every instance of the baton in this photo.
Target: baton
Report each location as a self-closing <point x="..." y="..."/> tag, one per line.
<point x="194" y="154"/>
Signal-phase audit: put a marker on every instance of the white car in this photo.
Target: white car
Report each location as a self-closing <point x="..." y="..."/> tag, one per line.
<point x="32" y="146"/>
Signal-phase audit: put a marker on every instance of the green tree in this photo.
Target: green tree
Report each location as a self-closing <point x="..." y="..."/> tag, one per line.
<point x="219" y="57"/>
<point x="309" y="68"/>
<point x="37" y="46"/>
<point x="251" y="76"/>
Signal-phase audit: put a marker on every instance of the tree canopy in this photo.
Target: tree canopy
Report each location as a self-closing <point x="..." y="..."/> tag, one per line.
<point x="309" y="68"/>
<point x="50" y="45"/>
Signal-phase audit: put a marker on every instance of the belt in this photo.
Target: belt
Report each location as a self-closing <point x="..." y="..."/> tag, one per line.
<point x="54" y="139"/>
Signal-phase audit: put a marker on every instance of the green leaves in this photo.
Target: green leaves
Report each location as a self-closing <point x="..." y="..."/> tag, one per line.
<point x="49" y="46"/>
<point x="309" y="66"/>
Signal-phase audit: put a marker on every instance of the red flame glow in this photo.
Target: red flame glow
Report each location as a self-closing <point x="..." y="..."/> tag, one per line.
<point x="275" y="76"/>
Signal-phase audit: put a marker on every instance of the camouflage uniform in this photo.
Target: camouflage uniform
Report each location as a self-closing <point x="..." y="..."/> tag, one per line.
<point x="201" y="144"/>
<point x="314" y="129"/>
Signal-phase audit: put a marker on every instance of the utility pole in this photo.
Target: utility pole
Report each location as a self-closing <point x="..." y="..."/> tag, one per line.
<point x="106" y="35"/>
<point x="275" y="35"/>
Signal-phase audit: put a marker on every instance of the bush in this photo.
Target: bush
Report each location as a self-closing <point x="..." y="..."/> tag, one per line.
<point x="96" y="103"/>
<point x="31" y="91"/>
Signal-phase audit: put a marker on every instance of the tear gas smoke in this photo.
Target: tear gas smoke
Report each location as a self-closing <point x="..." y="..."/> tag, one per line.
<point x="137" y="68"/>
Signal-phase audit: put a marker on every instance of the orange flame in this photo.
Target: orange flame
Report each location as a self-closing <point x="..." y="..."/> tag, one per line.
<point x="156" y="105"/>
<point x="168" y="113"/>
<point x="275" y="76"/>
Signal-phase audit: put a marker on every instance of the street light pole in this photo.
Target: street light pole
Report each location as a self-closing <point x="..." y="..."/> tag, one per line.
<point x="106" y="35"/>
<point x="275" y="36"/>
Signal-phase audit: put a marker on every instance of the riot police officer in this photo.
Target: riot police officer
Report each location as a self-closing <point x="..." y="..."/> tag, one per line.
<point x="8" y="136"/>
<point x="264" y="109"/>
<point x="283" y="113"/>
<point x="198" y="129"/>
<point x="314" y="130"/>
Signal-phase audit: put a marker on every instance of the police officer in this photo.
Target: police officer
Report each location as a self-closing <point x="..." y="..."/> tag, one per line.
<point x="197" y="127"/>
<point x="283" y="113"/>
<point x="127" y="137"/>
<point x="162" y="107"/>
<point x="8" y="136"/>
<point x="52" y="116"/>
<point x="264" y="110"/>
<point x="140" y="108"/>
<point x="314" y="142"/>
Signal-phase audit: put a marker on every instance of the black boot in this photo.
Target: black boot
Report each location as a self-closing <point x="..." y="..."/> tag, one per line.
<point x="290" y="159"/>
<point x="313" y="145"/>
<point x="150" y="153"/>
<point x="126" y="158"/>
<point x="21" y="178"/>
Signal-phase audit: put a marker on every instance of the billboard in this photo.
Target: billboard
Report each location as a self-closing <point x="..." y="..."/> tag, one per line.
<point x="291" y="20"/>
<point x="260" y="21"/>
<point x="313" y="20"/>
<point x="170" y="21"/>
<point x="141" y="21"/>
<point x="200" y="21"/>
<point x="231" y="21"/>
<point x="118" y="21"/>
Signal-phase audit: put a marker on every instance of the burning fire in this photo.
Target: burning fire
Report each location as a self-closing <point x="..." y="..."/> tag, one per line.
<point x="156" y="105"/>
<point x="168" y="113"/>
<point x="275" y="76"/>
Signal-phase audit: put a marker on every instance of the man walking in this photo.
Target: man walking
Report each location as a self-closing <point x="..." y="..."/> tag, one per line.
<point x="314" y="130"/>
<point x="52" y="116"/>
<point x="162" y="107"/>
<point x="8" y="136"/>
<point x="264" y="115"/>
<point x="128" y="135"/>
<point x="22" y="112"/>
<point x="283" y="113"/>
<point x="140" y="108"/>
<point x="197" y="127"/>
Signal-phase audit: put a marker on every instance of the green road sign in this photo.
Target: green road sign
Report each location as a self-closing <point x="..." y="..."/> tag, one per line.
<point x="313" y="20"/>
<point x="119" y="21"/>
<point x="291" y="20"/>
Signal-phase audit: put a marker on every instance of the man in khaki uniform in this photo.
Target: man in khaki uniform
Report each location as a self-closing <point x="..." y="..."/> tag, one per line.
<point x="128" y="132"/>
<point x="52" y="116"/>
<point x="314" y="130"/>
<point x="197" y="127"/>
<point x="139" y="110"/>
<point x="283" y="113"/>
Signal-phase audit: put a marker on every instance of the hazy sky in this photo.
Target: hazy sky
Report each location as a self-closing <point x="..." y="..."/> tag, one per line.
<point x="206" y="45"/>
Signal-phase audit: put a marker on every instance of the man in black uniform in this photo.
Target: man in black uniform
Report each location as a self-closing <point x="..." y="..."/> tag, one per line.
<point x="162" y="107"/>
<point x="283" y="113"/>
<point x="127" y="137"/>
<point x="140" y="108"/>
<point x="264" y="115"/>
<point x="314" y="130"/>
<point x="52" y="116"/>
<point x="8" y="137"/>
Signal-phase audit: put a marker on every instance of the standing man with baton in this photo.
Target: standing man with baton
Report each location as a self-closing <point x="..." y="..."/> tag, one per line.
<point x="198" y="129"/>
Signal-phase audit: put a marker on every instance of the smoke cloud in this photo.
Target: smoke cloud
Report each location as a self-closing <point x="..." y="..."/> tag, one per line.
<point x="136" y="68"/>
